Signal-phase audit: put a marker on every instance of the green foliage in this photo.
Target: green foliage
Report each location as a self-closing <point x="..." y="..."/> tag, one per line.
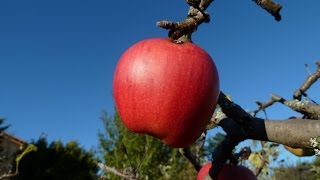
<point x="316" y="162"/>
<point x="260" y="160"/>
<point x="56" y="161"/>
<point x="30" y="148"/>
<point x="147" y="156"/>
<point x="299" y="171"/>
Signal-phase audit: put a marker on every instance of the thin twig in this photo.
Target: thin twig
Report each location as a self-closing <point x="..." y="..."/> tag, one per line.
<point x="307" y="84"/>
<point x="186" y="152"/>
<point x="114" y="171"/>
<point x="8" y="175"/>
<point x="264" y="105"/>
<point x="308" y="69"/>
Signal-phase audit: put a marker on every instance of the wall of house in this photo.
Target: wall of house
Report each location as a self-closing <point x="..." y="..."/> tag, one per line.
<point x="9" y="146"/>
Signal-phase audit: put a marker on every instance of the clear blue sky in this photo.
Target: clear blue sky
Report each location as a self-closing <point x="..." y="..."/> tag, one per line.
<point x="57" y="58"/>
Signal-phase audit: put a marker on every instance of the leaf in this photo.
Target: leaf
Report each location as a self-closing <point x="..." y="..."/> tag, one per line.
<point x="30" y="148"/>
<point x="256" y="160"/>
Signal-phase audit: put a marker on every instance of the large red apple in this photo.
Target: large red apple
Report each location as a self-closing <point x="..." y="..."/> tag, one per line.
<point x="166" y="90"/>
<point x="228" y="172"/>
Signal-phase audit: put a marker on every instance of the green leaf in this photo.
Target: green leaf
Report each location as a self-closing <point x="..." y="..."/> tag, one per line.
<point x="256" y="160"/>
<point x="30" y="148"/>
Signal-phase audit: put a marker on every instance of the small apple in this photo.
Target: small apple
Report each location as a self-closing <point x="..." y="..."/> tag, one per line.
<point x="166" y="90"/>
<point x="300" y="152"/>
<point x="228" y="172"/>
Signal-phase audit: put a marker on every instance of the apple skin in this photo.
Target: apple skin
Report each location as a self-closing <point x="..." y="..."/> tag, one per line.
<point x="300" y="152"/>
<point x="228" y="172"/>
<point x="166" y="90"/>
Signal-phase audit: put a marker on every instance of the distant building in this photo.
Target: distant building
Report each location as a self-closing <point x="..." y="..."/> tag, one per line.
<point x="9" y="146"/>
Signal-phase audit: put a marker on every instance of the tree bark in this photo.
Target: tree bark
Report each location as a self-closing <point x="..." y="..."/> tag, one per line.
<point x="291" y="132"/>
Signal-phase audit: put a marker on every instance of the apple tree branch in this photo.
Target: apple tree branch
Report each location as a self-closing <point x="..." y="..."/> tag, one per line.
<point x="182" y="31"/>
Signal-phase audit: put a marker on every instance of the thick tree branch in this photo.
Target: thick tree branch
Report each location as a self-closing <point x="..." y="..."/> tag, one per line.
<point x="300" y="131"/>
<point x="233" y="110"/>
<point x="240" y="125"/>
<point x="310" y="110"/>
<point x="222" y="153"/>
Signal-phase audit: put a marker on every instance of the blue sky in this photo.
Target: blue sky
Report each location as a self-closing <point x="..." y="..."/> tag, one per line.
<point x="57" y="58"/>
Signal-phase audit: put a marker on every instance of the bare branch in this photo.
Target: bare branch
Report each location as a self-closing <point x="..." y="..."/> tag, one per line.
<point x="184" y="29"/>
<point x="310" y="110"/>
<point x="271" y="7"/>
<point x="114" y="171"/>
<point x="204" y="4"/>
<point x="308" y="83"/>
<point x="300" y="132"/>
<point x="308" y="69"/>
<point x="233" y="110"/>
<point x="265" y="105"/>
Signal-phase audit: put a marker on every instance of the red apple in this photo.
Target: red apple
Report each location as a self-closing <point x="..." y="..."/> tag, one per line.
<point x="166" y="90"/>
<point x="228" y="172"/>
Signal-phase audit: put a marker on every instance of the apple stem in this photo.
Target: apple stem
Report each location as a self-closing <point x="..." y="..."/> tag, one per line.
<point x="181" y="31"/>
